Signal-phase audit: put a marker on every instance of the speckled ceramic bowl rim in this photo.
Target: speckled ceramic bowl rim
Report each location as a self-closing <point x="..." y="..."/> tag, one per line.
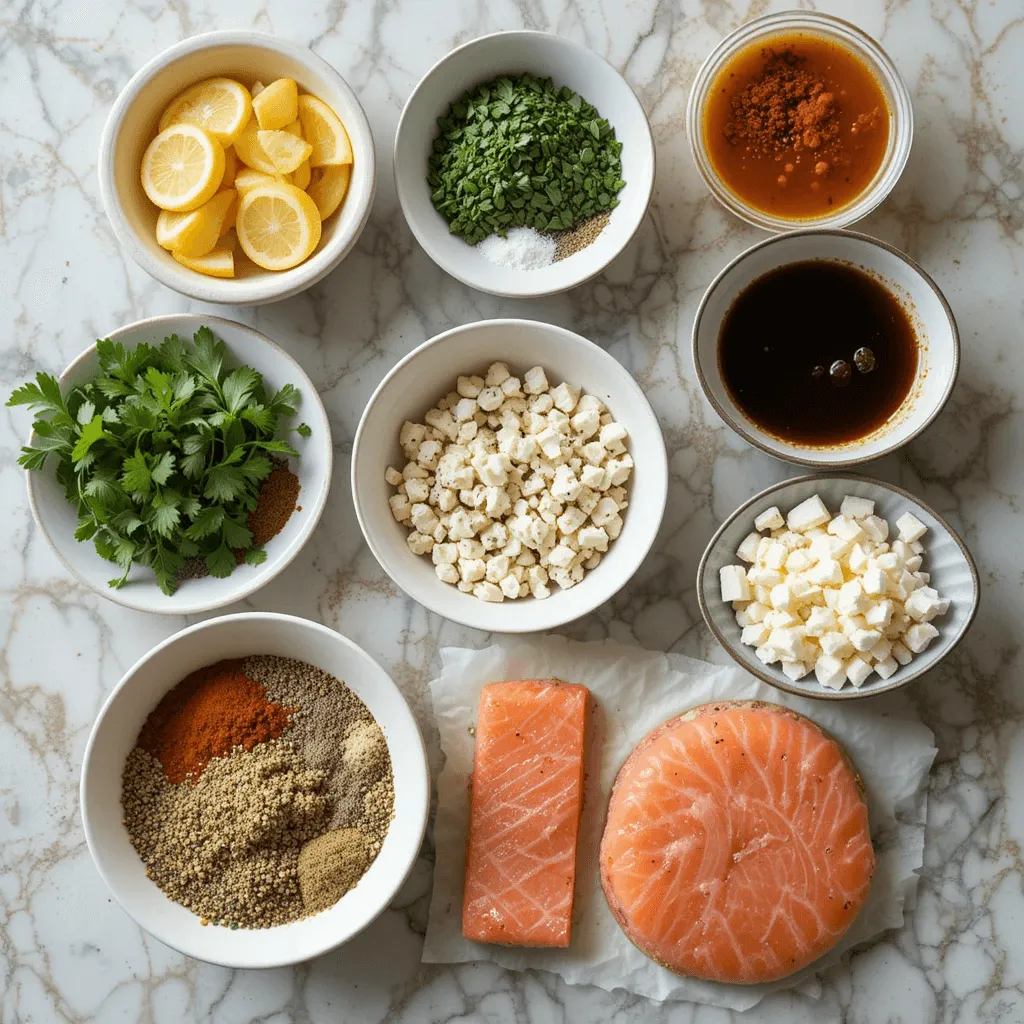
<point x="258" y="581"/>
<point x="913" y="674"/>
<point x="839" y="462"/>
<point x="232" y="291"/>
<point x="626" y="238"/>
<point x="888" y="173"/>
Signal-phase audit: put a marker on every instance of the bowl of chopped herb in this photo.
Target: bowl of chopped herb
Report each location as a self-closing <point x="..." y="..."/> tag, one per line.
<point x="524" y="163"/>
<point x="178" y="465"/>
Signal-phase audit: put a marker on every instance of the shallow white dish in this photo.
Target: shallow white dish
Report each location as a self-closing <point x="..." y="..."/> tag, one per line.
<point x="131" y="126"/>
<point x="425" y="376"/>
<point x="929" y="312"/>
<point x="57" y="518"/>
<point x="946" y="558"/>
<point x="547" y="56"/>
<point x="114" y="735"/>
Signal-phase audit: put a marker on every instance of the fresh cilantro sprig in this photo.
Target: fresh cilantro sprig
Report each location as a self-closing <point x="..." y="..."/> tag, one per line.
<point x="518" y="151"/>
<point x="163" y="452"/>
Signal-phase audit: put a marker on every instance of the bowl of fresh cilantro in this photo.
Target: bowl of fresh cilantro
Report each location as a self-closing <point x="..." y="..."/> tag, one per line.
<point x="154" y="450"/>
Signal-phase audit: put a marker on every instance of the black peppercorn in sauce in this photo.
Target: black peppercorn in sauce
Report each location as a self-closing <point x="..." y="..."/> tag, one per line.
<point x="818" y="353"/>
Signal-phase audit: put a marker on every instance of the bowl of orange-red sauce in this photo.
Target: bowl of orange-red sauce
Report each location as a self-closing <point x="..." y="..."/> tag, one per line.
<point x="799" y="119"/>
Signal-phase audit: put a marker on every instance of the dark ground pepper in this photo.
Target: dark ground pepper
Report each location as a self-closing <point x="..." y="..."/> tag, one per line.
<point x="275" y="505"/>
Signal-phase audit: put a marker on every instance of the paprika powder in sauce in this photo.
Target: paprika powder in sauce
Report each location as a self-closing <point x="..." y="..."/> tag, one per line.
<point x="797" y="126"/>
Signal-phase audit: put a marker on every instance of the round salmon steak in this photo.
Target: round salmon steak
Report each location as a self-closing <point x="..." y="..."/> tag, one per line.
<point x="736" y="846"/>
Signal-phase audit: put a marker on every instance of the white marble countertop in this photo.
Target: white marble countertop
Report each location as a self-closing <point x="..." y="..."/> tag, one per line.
<point x="67" y="952"/>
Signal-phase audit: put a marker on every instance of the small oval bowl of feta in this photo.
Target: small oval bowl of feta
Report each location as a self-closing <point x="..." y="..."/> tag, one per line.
<point x="837" y="586"/>
<point x="509" y="475"/>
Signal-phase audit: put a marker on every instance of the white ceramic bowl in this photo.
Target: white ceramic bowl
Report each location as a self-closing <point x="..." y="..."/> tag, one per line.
<point x="425" y="376"/>
<point x="114" y="735"/>
<point x="763" y="31"/>
<point x="937" y="335"/>
<point x="547" y="56"/>
<point x="56" y="517"/>
<point x="946" y="558"/>
<point x="131" y="126"/>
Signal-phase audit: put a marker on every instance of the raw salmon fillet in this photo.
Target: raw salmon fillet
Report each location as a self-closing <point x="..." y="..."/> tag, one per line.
<point x="527" y="794"/>
<point x="736" y="846"/>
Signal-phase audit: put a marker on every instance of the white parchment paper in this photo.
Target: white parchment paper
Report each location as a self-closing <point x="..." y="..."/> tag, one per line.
<point x="634" y="691"/>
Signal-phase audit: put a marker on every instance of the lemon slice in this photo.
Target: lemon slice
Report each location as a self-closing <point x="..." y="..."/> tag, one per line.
<point x="249" y="150"/>
<point x="219" y="262"/>
<point x="221" y="106"/>
<point x="322" y="128"/>
<point x="247" y="179"/>
<point x="182" y="168"/>
<point x="328" y="188"/>
<point x="278" y="104"/>
<point x="195" y="232"/>
<point x="301" y="175"/>
<point x="277" y="225"/>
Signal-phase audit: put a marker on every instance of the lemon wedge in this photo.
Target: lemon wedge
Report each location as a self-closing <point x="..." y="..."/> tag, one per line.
<point x="249" y="150"/>
<point x="277" y="104"/>
<point x="328" y="187"/>
<point x="230" y="167"/>
<point x="219" y="262"/>
<point x="195" y="233"/>
<point x="247" y="179"/>
<point x="221" y="106"/>
<point x="295" y="128"/>
<point x="182" y="168"/>
<point x="301" y="175"/>
<point x="278" y="226"/>
<point x="323" y="130"/>
<point x="285" y="151"/>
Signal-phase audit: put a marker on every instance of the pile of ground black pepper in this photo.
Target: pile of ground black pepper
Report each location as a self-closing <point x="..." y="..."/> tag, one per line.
<point x="285" y="816"/>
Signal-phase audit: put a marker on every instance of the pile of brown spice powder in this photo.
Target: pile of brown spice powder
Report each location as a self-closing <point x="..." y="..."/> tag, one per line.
<point x="785" y="108"/>
<point x="276" y="503"/>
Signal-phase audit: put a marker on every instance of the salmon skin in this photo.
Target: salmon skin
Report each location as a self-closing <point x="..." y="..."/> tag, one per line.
<point x="736" y="846"/>
<point x="527" y="793"/>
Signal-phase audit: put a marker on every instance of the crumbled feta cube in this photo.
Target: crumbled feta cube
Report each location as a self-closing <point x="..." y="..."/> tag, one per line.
<point x="901" y="654"/>
<point x="886" y="667"/>
<point x="770" y="519"/>
<point x="809" y="513"/>
<point x="910" y="528"/>
<point x="857" y="508"/>
<point x="794" y="669"/>
<point x="830" y="672"/>
<point x="857" y="671"/>
<point x="535" y="381"/>
<point x="734" y="583"/>
<point x="755" y="634"/>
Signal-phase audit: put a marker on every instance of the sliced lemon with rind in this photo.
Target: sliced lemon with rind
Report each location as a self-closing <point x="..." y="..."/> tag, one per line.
<point x="285" y="151"/>
<point x="277" y="104"/>
<point x="182" y="168"/>
<point x="248" y="179"/>
<point x="195" y="233"/>
<point x="278" y="226"/>
<point x="220" y="106"/>
<point x="323" y="130"/>
<point x="218" y="262"/>
<point x="328" y="188"/>
<point x="301" y="175"/>
<point x="250" y="152"/>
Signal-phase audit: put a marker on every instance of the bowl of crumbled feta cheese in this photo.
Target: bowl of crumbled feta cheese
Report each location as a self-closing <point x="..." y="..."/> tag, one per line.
<point x="837" y="586"/>
<point x="509" y="475"/>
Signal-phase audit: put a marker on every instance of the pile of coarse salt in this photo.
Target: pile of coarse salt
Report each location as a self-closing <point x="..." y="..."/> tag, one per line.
<point x="523" y="249"/>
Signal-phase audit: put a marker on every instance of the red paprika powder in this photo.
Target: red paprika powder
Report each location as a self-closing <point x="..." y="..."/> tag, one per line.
<point x="207" y="715"/>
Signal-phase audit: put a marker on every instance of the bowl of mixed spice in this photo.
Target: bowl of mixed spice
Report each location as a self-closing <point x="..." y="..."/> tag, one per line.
<point x="524" y="163"/>
<point x="177" y="465"/>
<point x="255" y="790"/>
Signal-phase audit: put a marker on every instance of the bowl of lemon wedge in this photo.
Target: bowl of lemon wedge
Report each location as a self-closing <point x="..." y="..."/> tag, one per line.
<point x="237" y="167"/>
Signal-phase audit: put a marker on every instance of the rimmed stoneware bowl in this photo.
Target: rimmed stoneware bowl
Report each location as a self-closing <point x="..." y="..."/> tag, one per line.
<point x="114" y="735"/>
<point x="764" y="31"/>
<point x="946" y="558"/>
<point x="929" y="312"/>
<point x="131" y="126"/>
<point x="425" y="376"/>
<point x="546" y="56"/>
<point x="57" y="518"/>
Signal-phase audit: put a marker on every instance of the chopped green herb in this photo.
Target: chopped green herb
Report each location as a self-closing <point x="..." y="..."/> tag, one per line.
<point x="518" y="152"/>
<point x="163" y="453"/>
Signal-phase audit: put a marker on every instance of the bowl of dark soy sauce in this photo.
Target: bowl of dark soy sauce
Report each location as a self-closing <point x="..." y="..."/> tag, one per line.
<point x="825" y="347"/>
